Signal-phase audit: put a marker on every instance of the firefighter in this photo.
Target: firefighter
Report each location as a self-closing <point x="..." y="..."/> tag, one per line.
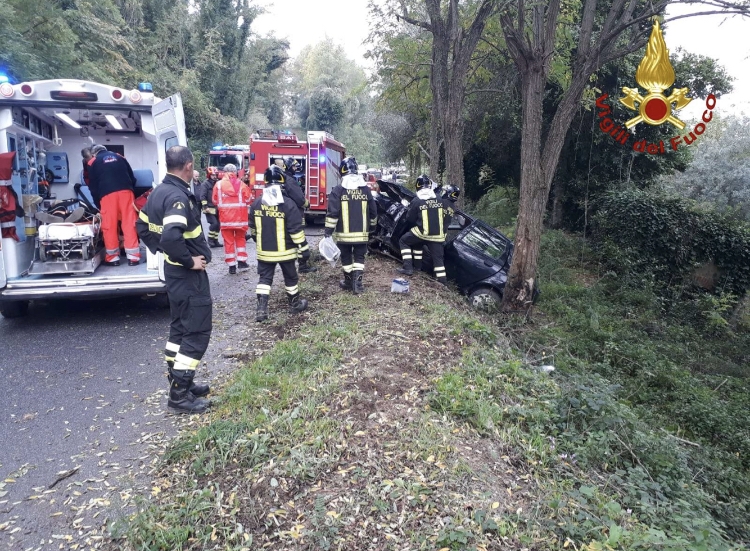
<point x="292" y="188"/>
<point x="352" y="215"/>
<point x="205" y="195"/>
<point x="450" y="192"/>
<point x="276" y="228"/>
<point x="427" y="218"/>
<point x="170" y="223"/>
<point x="232" y="196"/>
<point x="112" y="186"/>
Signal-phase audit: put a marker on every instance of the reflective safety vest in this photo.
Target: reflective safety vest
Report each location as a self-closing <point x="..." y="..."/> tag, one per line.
<point x="232" y="204"/>
<point x="352" y="214"/>
<point x="277" y="230"/>
<point x="428" y="218"/>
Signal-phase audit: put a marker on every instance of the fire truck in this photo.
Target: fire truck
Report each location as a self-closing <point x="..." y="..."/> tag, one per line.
<point x="43" y="127"/>
<point x="319" y="157"/>
<point x="237" y="155"/>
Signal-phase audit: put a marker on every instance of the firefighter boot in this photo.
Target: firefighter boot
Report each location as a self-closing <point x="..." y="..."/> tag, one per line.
<point x="408" y="268"/>
<point x="196" y="389"/>
<point x="297" y="304"/>
<point x="233" y="270"/>
<point x="213" y="243"/>
<point x="346" y="283"/>
<point x="305" y="268"/>
<point x="357" y="285"/>
<point x="181" y="400"/>
<point x="261" y="314"/>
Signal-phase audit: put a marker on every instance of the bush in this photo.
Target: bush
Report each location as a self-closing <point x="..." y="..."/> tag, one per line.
<point x="498" y="206"/>
<point x="670" y="237"/>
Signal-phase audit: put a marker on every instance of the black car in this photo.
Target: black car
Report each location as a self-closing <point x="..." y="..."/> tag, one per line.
<point x="477" y="256"/>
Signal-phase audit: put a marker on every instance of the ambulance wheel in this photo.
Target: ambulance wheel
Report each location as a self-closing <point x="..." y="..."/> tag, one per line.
<point x="14" y="308"/>
<point x="486" y="299"/>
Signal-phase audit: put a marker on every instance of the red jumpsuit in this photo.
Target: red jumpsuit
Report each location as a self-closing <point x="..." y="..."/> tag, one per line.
<point x="233" y="197"/>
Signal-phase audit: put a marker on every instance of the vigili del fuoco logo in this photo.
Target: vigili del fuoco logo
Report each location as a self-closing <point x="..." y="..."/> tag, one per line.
<point x="655" y="74"/>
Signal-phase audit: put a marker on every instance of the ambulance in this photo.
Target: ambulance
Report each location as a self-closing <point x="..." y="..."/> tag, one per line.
<point x="44" y="125"/>
<point x="319" y="156"/>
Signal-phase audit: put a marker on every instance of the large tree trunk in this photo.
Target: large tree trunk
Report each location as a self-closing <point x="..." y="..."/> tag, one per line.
<point x="534" y="192"/>
<point x="454" y="153"/>
<point x="434" y="138"/>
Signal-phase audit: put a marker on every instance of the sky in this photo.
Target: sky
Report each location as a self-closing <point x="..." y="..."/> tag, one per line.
<point x="305" y="22"/>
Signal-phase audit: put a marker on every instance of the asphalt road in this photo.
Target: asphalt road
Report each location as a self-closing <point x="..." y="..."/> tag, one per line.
<point x="84" y="394"/>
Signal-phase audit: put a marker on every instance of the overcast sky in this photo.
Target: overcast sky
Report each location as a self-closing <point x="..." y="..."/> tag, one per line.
<point x="305" y="22"/>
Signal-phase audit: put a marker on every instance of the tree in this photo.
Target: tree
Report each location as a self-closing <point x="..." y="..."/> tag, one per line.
<point x="453" y="43"/>
<point x="606" y="30"/>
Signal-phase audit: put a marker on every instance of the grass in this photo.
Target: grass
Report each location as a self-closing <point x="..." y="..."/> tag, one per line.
<point x="412" y="422"/>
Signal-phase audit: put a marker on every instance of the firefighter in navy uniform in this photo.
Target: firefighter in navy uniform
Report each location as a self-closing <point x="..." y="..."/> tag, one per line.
<point x="352" y="215"/>
<point x="289" y="167"/>
<point x="276" y="228"/>
<point x="170" y="223"/>
<point x="427" y="218"/>
<point x="205" y="195"/>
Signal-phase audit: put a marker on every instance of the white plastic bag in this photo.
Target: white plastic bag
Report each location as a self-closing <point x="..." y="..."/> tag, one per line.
<point x="329" y="250"/>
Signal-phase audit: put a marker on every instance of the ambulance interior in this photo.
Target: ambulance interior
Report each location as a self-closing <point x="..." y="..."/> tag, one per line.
<point x="48" y="141"/>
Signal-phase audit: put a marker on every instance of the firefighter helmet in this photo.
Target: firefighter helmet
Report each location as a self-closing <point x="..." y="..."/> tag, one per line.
<point x="451" y="192"/>
<point x="291" y="164"/>
<point x="348" y="166"/>
<point x="273" y="175"/>
<point x="213" y="172"/>
<point x="424" y="182"/>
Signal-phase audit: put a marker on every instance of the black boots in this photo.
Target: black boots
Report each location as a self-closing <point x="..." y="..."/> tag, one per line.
<point x="233" y="270"/>
<point x="357" y="285"/>
<point x="305" y="268"/>
<point x="297" y="304"/>
<point x="261" y="314"/>
<point x="346" y="283"/>
<point x="408" y="268"/>
<point x="196" y="389"/>
<point x="242" y="265"/>
<point x="213" y="243"/>
<point x="181" y="400"/>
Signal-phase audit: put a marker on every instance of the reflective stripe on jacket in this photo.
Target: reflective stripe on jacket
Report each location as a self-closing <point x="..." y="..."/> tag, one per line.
<point x="232" y="204"/>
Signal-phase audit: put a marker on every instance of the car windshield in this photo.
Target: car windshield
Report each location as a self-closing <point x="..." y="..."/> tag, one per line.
<point x="221" y="161"/>
<point x="484" y="240"/>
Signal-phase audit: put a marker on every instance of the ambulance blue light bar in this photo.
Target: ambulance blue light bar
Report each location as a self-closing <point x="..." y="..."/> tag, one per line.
<point x="145" y="87"/>
<point x="4" y="78"/>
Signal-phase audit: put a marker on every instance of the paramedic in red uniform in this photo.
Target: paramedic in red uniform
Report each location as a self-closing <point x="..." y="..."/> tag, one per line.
<point x="112" y="186"/>
<point x="233" y="198"/>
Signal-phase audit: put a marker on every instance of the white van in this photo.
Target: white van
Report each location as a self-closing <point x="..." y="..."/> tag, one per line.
<point x="47" y="123"/>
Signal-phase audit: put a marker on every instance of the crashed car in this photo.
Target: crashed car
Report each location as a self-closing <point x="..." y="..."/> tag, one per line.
<point x="477" y="256"/>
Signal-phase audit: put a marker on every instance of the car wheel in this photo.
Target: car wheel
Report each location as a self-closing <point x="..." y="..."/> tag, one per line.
<point x="485" y="298"/>
<point x="14" y="308"/>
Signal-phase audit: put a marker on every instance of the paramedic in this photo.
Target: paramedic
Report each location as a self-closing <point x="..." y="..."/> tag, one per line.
<point x="112" y="186"/>
<point x="233" y="197"/>
<point x="352" y="215"/>
<point x="427" y="218"/>
<point x="294" y="191"/>
<point x="86" y="154"/>
<point x="276" y="228"/>
<point x="171" y="223"/>
<point x="205" y="196"/>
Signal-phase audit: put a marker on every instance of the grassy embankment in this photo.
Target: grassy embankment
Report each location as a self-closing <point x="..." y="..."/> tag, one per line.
<point x="411" y="422"/>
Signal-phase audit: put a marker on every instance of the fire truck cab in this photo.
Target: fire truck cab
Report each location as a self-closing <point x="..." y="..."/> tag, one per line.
<point x="237" y="155"/>
<point x="44" y="125"/>
<point x="319" y="157"/>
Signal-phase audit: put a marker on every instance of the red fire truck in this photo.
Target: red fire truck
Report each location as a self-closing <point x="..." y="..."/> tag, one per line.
<point x="319" y="157"/>
<point x="237" y="155"/>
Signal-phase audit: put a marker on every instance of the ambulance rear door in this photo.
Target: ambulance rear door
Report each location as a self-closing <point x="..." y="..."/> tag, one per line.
<point x="3" y="277"/>
<point x="169" y="124"/>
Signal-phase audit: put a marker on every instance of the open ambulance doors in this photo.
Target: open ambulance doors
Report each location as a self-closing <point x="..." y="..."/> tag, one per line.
<point x="169" y="127"/>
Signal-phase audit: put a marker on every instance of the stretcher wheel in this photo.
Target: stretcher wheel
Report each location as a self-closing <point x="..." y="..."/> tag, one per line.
<point x="42" y="253"/>
<point x="85" y="252"/>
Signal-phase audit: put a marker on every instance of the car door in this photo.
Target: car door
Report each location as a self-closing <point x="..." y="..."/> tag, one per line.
<point x="476" y="254"/>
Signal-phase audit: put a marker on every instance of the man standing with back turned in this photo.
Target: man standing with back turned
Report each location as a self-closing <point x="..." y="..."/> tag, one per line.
<point x="171" y="223"/>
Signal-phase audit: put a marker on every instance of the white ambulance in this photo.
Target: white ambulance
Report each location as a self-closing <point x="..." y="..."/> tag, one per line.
<point x="44" y="125"/>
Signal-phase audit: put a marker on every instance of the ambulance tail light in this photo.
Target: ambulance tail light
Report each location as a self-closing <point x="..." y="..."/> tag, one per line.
<point x="6" y="90"/>
<point x="135" y="96"/>
<point x="117" y="94"/>
<point x="27" y="89"/>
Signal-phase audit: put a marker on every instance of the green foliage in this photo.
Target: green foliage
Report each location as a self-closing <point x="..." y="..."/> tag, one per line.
<point x="669" y="237"/>
<point x="498" y="206"/>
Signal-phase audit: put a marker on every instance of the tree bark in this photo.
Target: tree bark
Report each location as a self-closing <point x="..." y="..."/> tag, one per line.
<point x="454" y="153"/>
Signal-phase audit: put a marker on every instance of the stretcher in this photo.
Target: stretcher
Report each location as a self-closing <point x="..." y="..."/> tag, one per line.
<point x="69" y="247"/>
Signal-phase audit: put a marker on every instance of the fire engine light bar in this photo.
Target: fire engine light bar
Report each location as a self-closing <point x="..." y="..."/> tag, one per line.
<point x="67" y="120"/>
<point x="113" y="121"/>
<point x="322" y="159"/>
